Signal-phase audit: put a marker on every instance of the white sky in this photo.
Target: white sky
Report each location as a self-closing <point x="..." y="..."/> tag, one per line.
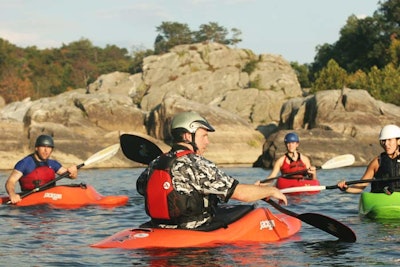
<point x="291" y="28"/>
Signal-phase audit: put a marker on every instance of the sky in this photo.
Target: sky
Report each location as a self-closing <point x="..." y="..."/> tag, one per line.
<point x="290" y="28"/>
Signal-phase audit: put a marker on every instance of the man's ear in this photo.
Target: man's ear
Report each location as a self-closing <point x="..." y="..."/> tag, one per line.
<point x="187" y="137"/>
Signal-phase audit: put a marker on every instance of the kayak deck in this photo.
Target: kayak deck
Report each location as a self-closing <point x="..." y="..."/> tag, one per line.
<point x="379" y="205"/>
<point x="283" y="183"/>
<point x="258" y="225"/>
<point x="69" y="197"/>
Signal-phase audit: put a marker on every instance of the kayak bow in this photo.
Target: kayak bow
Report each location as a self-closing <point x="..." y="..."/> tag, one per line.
<point x="69" y="197"/>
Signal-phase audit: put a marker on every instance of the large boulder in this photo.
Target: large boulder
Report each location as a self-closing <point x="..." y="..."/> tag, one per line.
<point x="333" y="122"/>
<point x="233" y="142"/>
<point x="217" y="75"/>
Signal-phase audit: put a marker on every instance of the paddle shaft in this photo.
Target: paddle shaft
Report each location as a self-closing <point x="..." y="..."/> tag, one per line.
<point x="328" y="187"/>
<point x="288" y="175"/>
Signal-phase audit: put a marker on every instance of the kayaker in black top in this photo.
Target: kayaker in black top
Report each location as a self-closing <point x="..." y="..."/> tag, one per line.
<point x="191" y="184"/>
<point x="386" y="165"/>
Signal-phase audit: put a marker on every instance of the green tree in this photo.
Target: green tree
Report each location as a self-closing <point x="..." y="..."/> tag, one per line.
<point x="359" y="47"/>
<point x="384" y="84"/>
<point x="302" y="73"/>
<point x="363" y="42"/>
<point x="330" y="77"/>
<point x="358" y="80"/>
<point x="394" y="50"/>
<point x="211" y="32"/>
<point x="170" y="35"/>
<point x="236" y="33"/>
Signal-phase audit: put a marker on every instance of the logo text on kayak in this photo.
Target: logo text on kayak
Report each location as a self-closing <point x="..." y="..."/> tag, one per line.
<point x="268" y="224"/>
<point x="53" y="196"/>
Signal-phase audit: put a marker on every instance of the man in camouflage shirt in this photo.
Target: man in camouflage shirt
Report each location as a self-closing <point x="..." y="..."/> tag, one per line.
<point x="182" y="188"/>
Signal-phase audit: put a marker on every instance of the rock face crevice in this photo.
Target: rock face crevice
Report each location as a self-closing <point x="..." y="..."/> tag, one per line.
<point x="251" y="100"/>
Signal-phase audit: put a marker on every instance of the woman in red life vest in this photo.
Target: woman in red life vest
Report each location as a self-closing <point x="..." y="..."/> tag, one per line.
<point x="36" y="169"/>
<point x="293" y="161"/>
<point x="182" y="188"/>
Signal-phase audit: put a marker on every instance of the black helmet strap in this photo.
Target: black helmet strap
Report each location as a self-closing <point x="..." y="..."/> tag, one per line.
<point x="193" y="143"/>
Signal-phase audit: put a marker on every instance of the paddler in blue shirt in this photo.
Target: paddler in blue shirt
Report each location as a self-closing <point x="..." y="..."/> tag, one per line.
<point x="36" y="169"/>
<point x="385" y="165"/>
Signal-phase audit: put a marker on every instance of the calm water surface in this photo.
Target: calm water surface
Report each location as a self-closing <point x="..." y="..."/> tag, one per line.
<point x="42" y="236"/>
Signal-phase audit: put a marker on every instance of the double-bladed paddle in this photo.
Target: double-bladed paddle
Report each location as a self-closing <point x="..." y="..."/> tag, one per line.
<point x="144" y="151"/>
<point x="103" y="154"/>
<point x="327" y="187"/>
<point x="333" y="163"/>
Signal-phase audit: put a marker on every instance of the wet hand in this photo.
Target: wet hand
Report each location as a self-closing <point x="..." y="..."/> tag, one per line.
<point x="312" y="171"/>
<point x="342" y="185"/>
<point x="73" y="172"/>
<point x="15" y="198"/>
<point x="276" y="193"/>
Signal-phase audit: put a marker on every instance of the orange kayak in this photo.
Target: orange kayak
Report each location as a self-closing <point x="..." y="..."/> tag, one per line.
<point x="69" y="197"/>
<point x="283" y="183"/>
<point x="256" y="225"/>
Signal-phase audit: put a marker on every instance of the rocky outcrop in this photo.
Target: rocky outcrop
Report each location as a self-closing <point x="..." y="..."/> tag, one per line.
<point x="252" y="100"/>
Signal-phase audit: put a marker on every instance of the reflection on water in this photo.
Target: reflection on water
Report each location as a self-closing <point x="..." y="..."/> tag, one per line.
<point x="43" y="236"/>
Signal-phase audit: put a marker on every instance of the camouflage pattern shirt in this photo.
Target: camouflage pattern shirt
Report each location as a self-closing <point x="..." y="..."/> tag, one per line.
<point x="194" y="172"/>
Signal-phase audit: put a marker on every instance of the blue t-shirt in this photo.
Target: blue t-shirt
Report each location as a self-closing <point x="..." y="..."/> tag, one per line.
<point x="27" y="165"/>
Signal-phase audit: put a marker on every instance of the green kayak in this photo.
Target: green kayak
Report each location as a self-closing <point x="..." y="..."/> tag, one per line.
<point x="380" y="205"/>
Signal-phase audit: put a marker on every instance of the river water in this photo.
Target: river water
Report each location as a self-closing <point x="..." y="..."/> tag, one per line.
<point x="43" y="236"/>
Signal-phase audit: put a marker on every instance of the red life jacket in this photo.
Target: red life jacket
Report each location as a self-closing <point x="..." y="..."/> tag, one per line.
<point x="41" y="175"/>
<point x="163" y="202"/>
<point x="294" y="166"/>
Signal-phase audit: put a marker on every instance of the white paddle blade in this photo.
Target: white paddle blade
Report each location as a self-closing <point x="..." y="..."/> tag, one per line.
<point x="306" y="188"/>
<point x="104" y="154"/>
<point x="339" y="161"/>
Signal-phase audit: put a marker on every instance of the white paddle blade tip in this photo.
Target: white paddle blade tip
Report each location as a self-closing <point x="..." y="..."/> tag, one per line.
<point x="104" y="154"/>
<point x="339" y="161"/>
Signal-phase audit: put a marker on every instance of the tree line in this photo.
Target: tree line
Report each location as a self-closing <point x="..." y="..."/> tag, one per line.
<point x="35" y="73"/>
<point x="365" y="56"/>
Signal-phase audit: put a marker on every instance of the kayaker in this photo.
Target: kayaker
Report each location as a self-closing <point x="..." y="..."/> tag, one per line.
<point x="385" y="165"/>
<point x="182" y="188"/>
<point x="293" y="161"/>
<point x="36" y="169"/>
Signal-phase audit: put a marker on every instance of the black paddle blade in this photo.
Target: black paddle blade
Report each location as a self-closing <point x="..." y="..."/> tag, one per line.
<point x="139" y="149"/>
<point x="329" y="225"/>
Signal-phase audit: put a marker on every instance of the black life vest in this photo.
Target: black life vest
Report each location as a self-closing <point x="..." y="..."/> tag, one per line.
<point x="163" y="203"/>
<point x="388" y="168"/>
<point x="40" y="176"/>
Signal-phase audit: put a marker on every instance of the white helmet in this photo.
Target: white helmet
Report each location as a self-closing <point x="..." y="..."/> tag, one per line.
<point x="190" y="121"/>
<point x="389" y="131"/>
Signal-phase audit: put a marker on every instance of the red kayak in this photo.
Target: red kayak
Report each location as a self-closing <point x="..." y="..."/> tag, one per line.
<point x="70" y="197"/>
<point x="283" y="183"/>
<point x="253" y="225"/>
